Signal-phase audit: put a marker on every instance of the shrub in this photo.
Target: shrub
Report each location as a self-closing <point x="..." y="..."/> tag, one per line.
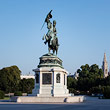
<point x="95" y="90"/>
<point x="2" y="95"/>
<point x="71" y="90"/>
<point x="18" y="93"/>
<point x="106" y="92"/>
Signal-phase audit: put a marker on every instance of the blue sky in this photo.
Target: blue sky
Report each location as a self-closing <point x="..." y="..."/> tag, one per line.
<point x="83" y="28"/>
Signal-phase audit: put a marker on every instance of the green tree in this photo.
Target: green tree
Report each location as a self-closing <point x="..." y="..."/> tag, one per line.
<point x="9" y="79"/>
<point x="89" y="76"/>
<point x="71" y="83"/>
<point x="2" y="95"/>
<point x="107" y="81"/>
<point x="95" y="90"/>
<point x="106" y="92"/>
<point x="26" y="85"/>
<point x="83" y="71"/>
<point x="18" y="93"/>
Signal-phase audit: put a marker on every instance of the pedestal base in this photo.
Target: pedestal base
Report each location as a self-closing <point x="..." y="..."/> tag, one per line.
<point x="52" y="82"/>
<point x="34" y="99"/>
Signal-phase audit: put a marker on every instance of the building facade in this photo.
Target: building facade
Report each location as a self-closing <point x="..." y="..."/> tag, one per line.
<point x="27" y="76"/>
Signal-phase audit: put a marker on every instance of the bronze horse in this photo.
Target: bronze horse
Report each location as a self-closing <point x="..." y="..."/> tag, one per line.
<point x="53" y="45"/>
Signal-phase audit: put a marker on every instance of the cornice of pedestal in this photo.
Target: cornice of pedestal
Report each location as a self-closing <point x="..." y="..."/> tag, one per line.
<point x="50" y="60"/>
<point x="55" y="69"/>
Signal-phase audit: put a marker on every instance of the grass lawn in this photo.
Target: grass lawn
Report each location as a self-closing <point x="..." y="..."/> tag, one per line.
<point x="5" y="98"/>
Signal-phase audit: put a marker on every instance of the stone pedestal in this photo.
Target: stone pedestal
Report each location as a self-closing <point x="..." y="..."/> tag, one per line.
<point x="51" y="78"/>
<point x="50" y="83"/>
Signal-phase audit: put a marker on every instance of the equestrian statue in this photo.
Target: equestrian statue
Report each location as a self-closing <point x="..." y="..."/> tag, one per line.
<point x="51" y="36"/>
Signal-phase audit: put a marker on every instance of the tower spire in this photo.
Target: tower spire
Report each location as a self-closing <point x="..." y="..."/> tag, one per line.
<point x="105" y="57"/>
<point x="105" y="66"/>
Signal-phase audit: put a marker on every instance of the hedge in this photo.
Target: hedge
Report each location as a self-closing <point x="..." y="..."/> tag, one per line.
<point x="2" y="95"/>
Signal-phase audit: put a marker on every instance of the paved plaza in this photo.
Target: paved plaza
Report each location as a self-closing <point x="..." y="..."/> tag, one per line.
<point x="91" y="103"/>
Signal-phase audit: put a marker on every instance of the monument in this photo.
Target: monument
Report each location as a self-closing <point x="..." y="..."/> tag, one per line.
<point x="50" y="76"/>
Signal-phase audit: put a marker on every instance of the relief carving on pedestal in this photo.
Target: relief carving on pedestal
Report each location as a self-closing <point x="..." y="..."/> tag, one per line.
<point x="46" y="78"/>
<point x="58" y="78"/>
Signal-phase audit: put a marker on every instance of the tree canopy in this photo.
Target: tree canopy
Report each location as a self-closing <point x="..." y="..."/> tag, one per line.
<point x="9" y="79"/>
<point x="26" y="85"/>
<point x="89" y="76"/>
<point x="90" y="80"/>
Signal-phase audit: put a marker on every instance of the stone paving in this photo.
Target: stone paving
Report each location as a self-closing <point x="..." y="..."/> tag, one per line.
<point x="91" y="103"/>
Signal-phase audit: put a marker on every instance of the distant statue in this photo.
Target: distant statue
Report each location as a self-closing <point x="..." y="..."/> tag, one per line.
<point x="51" y="36"/>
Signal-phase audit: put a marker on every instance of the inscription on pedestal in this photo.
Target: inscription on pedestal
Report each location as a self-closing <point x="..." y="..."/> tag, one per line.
<point x="47" y="78"/>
